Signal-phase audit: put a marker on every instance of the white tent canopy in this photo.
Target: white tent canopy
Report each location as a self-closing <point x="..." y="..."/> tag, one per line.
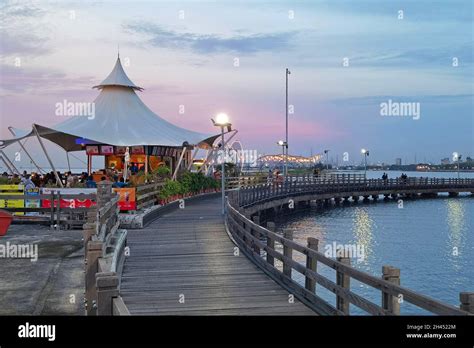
<point x="120" y="118"/>
<point x="118" y="77"/>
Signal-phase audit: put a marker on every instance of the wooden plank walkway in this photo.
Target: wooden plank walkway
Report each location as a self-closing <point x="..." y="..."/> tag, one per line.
<point x="188" y="252"/>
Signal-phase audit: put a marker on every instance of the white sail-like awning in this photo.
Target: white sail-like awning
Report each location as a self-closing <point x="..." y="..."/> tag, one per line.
<point x="116" y="117"/>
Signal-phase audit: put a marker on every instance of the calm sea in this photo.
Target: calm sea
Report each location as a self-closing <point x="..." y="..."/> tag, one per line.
<point x="430" y="240"/>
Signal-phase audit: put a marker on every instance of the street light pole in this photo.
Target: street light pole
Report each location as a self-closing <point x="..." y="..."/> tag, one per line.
<point x="286" y="114"/>
<point x="283" y="144"/>
<point x="365" y="153"/>
<point x="327" y="159"/>
<point x="365" y="165"/>
<point x="459" y="159"/>
<point x="222" y="121"/>
<point x="223" y="171"/>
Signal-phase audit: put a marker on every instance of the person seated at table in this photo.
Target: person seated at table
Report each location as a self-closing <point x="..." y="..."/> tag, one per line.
<point x="120" y="183"/>
<point x="36" y="179"/>
<point x="90" y="183"/>
<point x="83" y="177"/>
<point x="71" y="179"/>
<point x="134" y="168"/>
<point x="26" y="181"/>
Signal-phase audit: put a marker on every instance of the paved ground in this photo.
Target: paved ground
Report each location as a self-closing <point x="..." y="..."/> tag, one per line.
<point x="54" y="284"/>
<point x="183" y="263"/>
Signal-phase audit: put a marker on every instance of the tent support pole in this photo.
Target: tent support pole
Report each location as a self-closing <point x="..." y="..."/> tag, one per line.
<point x="7" y="165"/>
<point x="190" y="165"/>
<point x="89" y="166"/>
<point x="68" y="163"/>
<point x="223" y="146"/>
<point x="58" y="180"/>
<point x="204" y="164"/>
<point x="26" y="152"/>
<point x="179" y="163"/>
<point x="11" y="165"/>
<point x="146" y="163"/>
<point x="209" y="167"/>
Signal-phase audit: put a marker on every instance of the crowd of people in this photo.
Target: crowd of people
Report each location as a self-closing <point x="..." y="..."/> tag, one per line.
<point x="68" y="179"/>
<point x="403" y="177"/>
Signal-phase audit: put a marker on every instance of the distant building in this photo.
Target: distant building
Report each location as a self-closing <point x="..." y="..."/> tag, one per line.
<point x="445" y="160"/>
<point x="398" y="161"/>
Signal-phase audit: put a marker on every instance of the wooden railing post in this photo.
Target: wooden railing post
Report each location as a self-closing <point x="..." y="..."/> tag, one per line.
<point x="287" y="251"/>
<point x="52" y="209"/>
<point x="58" y="212"/>
<point x="344" y="281"/>
<point x="93" y="252"/>
<point x="256" y="234"/>
<point x="246" y="227"/>
<point x="107" y="289"/>
<point x="467" y="301"/>
<point x="104" y="192"/>
<point x="270" y="243"/>
<point x="390" y="302"/>
<point x="312" y="244"/>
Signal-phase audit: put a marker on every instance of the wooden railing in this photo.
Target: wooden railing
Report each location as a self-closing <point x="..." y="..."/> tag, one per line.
<point x="338" y="176"/>
<point x="147" y="195"/>
<point x="236" y="182"/>
<point x="294" y="186"/>
<point x="57" y="216"/>
<point x="266" y="248"/>
<point x="105" y="247"/>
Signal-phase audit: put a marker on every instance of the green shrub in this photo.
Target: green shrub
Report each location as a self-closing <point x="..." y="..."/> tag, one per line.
<point x="195" y="182"/>
<point x="188" y="183"/>
<point x="162" y="172"/>
<point x="170" y="188"/>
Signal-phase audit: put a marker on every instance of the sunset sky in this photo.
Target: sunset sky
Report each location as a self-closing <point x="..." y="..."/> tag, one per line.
<point x="185" y="53"/>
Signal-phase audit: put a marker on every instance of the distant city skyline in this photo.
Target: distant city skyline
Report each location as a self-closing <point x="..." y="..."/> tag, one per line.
<point x="357" y="69"/>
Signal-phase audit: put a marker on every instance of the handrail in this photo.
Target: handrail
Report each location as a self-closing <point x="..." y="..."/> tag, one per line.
<point x="105" y="246"/>
<point x="57" y="215"/>
<point x="148" y="194"/>
<point x="307" y="184"/>
<point x="253" y="239"/>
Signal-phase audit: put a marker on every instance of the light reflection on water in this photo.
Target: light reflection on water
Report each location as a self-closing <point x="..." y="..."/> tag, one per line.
<point x="419" y="239"/>
<point x="362" y="229"/>
<point x="457" y="232"/>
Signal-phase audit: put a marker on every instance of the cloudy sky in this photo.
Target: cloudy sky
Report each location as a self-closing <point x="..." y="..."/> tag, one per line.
<point x="345" y="57"/>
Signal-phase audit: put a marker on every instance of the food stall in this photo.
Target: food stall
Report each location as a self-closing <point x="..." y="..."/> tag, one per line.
<point x="142" y="159"/>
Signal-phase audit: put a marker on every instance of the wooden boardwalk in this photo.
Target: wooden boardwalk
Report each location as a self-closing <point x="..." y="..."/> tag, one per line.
<point x="187" y="255"/>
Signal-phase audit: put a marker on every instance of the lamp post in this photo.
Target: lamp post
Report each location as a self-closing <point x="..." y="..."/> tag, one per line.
<point x="286" y="114"/>
<point x="222" y="121"/>
<point x="365" y="153"/>
<point x="283" y="144"/>
<point x="457" y="156"/>
<point x="327" y="159"/>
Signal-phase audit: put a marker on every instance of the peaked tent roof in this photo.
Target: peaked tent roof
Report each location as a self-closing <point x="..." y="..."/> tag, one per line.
<point x="118" y="77"/>
<point x="120" y="118"/>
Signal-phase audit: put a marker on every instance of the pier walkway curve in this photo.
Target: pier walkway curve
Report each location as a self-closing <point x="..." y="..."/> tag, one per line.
<point x="184" y="263"/>
<point x="193" y="261"/>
